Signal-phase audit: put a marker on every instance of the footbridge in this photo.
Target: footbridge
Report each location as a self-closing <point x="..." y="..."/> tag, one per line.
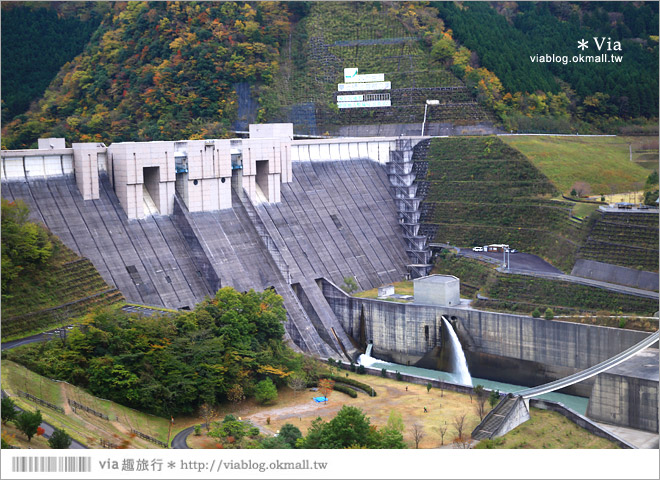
<point x="513" y="409"/>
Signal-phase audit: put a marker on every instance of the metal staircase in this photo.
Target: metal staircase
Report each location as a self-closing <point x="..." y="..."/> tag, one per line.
<point x="402" y="176"/>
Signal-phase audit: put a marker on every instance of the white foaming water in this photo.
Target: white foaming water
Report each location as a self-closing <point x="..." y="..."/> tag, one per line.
<point x="368" y="351"/>
<point x="460" y="364"/>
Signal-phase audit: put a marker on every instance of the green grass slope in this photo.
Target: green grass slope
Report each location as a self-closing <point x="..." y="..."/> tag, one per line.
<point x="602" y="162"/>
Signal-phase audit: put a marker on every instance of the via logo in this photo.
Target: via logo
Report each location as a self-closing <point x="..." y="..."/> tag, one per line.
<point x="601" y="43"/>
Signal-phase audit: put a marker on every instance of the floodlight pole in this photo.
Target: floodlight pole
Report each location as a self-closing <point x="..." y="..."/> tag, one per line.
<point x="426" y="106"/>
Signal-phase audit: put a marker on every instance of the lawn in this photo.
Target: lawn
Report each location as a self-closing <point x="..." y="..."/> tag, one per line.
<point x="547" y="429"/>
<point x="300" y="410"/>
<point x="401" y="288"/>
<point x="603" y="162"/>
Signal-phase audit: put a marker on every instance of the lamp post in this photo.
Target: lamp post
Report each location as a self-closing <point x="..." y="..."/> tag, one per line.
<point x="426" y="106"/>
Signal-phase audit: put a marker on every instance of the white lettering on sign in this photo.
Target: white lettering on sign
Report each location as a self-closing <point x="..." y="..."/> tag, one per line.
<point x="373" y="103"/>
<point x="348" y="87"/>
<point x="350" y="98"/>
<point x="371" y="77"/>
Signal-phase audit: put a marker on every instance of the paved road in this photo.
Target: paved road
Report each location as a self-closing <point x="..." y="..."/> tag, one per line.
<point x="179" y="440"/>
<point x="518" y="260"/>
<point x="529" y="264"/>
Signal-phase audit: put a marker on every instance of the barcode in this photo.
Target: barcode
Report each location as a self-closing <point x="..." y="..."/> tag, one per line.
<point x="51" y="464"/>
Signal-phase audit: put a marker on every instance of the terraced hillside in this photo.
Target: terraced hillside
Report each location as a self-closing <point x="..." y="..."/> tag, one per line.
<point x="375" y="39"/>
<point x="68" y="287"/>
<point x="482" y="191"/>
<point x="626" y="239"/>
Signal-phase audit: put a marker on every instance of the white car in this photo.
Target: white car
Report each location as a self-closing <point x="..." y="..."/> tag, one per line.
<point x="478" y="249"/>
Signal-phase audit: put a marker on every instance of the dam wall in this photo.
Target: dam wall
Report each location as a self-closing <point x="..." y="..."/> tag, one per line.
<point x="508" y="348"/>
<point x="337" y="220"/>
<point x="147" y="259"/>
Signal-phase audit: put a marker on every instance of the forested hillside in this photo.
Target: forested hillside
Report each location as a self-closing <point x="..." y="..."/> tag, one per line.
<point x="505" y="34"/>
<point x="37" y="39"/>
<point x="159" y="70"/>
<point x="156" y="70"/>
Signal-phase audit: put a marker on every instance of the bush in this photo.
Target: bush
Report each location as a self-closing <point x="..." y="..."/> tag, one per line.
<point x="273" y="443"/>
<point x="349" y="381"/>
<point x="549" y="314"/>
<point x="536" y="313"/>
<point x="265" y="392"/>
<point x="344" y="389"/>
<point x="290" y="434"/>
<point x="352" y="367"/>
<point x="8" y="412"/>
<point x="383" y="372"/>
<point x="399" y="376"/>
<point x="622" y="323"/>
<point x="60" y="439"/>
<point x="253" y="432"/>
<point x="198" y="430"/>
<point x="361" y="370"/>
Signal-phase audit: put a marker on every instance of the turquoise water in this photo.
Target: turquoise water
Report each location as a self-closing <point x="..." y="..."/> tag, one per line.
<point x="579" y="404"/>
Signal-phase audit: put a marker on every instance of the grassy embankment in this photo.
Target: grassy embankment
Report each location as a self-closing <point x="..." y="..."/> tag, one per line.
<point x="83" y="426"/>
<point x="547" y="429"/>
<point x="602" y="162"/>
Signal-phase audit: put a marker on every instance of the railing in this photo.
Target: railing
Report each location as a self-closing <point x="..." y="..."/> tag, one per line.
<point x="41" y="402"/>
<point x="75" y="404"/>
<point x="105" y="444"/>
<point x="149" y="438"/>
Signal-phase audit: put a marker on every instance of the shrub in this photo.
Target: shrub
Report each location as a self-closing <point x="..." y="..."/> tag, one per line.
<point x="549" y="314"/>
<point x="265" y="392"/>
<point x="352" y="367"/>
<point x="274" y="443"/>
<point x="622" y="323"/>
<point x="429" y="386"/>
<point x="253" y="432"/>
<point x="60" y="439"/>
<point x="198" y="430"/>
<point x="399" y="376"/>
<point x="361" y="370"/>
<point x="344" y="389"/>
<point x="349" y="381"/>
<point x="8" y="412"/>
<point x="290" y="434"/>
<point x="536" y="313"/>
<point x="383" y="372"/>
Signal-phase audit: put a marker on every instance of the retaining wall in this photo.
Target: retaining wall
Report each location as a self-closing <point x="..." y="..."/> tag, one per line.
<point x="607" y="272"/>
<point x="507" y="348"/>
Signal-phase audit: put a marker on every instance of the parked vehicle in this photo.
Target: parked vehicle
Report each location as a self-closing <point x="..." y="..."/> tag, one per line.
<point x="478" y="249"/>
<point x="513" y="250"/>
